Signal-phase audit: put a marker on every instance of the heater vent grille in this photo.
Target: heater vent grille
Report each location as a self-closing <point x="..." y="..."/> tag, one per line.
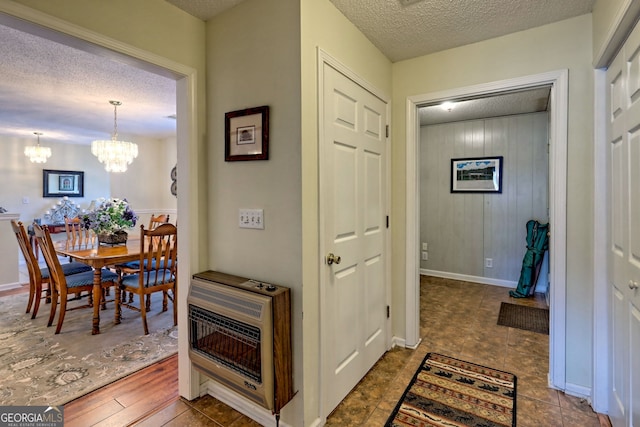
<point x="229" y="342"/>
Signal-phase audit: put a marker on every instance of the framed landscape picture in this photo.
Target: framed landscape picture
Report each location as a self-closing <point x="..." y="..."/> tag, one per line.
<point x="476" y="175"/>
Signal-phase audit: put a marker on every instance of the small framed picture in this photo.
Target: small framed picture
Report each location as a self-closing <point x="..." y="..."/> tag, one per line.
<point x="476" y="175"/>
<point x="57" y="183"/>
<point x="247" y="134"/>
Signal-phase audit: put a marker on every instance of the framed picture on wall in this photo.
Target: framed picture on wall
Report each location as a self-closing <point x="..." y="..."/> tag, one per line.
<point x="57" y="183"/>
<point x="247" y="134"/>
<point x="476" y="175"/>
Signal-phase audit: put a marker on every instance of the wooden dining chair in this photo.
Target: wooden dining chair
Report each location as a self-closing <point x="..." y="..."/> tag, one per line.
<point x="61" y="285"/>
<point x="77" y="235"/>
<point x="39" y="278"/>
<point x="158" y="272"/>
<point x="133" y="266"/>
<point x="157" y="220"/>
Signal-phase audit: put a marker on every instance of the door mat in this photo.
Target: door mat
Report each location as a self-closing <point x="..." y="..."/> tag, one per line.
<point x="523" y="317"/>
<point x="450" y="392"/>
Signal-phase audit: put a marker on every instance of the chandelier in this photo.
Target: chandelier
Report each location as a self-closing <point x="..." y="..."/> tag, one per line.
<point x="37" y="153"/>
<point x="116" y="155"/>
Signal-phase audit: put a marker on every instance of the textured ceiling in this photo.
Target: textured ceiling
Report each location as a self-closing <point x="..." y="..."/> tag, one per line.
<point x="63" y="92"/>
<point x="426" y="26"/>
<point x="404" y="29"/>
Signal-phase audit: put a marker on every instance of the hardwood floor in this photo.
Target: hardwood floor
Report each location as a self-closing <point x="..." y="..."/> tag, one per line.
<point x="128" y="400"/>
<point x="149" y="398"/>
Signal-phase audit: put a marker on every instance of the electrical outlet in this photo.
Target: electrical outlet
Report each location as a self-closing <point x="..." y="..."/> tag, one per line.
<point x="425" y="246"/>
<point x="488" y="262"/>
<point x="251" y="218"/>
<point x="425" y="256"/>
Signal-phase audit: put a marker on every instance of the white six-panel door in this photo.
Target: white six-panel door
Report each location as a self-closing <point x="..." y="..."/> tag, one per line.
<point x="623" y="78"/>
<point x="353" y="213"/>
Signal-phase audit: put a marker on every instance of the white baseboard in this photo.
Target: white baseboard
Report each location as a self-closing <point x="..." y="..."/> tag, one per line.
<point x="257" y="413"/>
<point x="578" y="391"/>
<point x="574" y="390"/>
<point x="7" y="286"/>
<point x="468" y="278"/>
<point x="401" y="342"/>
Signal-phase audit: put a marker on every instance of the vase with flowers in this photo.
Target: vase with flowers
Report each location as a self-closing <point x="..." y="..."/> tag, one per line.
<point x="110" y="219"/>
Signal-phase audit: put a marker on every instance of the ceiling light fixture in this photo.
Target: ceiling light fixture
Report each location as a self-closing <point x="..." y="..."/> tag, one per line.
<point x="116" y="155"/>
<point x="37" y="153"/>
<point x="447" y="106"/>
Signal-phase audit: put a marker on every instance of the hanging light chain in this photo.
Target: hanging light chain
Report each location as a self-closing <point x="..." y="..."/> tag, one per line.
<point x="115" y="119"/>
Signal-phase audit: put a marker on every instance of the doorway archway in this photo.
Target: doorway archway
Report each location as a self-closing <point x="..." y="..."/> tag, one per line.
<point x="558" y="117"/>
<point x="26" y="19"/>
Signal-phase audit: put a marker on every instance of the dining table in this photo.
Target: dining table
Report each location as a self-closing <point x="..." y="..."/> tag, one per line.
<point x="99" y="256"/>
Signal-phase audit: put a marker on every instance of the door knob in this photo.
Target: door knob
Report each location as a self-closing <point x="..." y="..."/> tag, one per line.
<point x="333" y="259"/>
<point x="633" y="285"/>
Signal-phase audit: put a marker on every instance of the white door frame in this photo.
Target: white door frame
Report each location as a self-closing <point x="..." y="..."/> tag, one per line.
<point x="559" y="81"/>
<point x="186" y="135"/>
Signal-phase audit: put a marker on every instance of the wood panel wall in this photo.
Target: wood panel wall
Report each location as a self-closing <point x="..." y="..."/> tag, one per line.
<point x="461" y="229"/>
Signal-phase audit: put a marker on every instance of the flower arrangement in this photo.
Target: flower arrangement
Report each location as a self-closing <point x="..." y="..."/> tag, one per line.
<point x="110" y="216"/>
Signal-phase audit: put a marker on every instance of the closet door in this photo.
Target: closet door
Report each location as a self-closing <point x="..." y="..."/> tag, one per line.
<point x="623" y="78"/>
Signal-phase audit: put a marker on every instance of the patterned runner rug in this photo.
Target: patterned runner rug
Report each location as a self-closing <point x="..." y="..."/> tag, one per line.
<point x="38" y="367"/>
<point x="450" y="392"/>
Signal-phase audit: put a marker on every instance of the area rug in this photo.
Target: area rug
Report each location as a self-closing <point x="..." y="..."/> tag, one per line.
<point x="450" y="392"/>
<point x="523" y="317"/>
<point x="38" y="367"/>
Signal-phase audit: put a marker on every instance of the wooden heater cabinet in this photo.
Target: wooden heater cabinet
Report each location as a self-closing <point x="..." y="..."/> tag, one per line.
<point x="240" y="335"/>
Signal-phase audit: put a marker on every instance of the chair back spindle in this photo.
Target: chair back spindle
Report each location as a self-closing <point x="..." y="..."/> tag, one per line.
<point x="77" y="235"/>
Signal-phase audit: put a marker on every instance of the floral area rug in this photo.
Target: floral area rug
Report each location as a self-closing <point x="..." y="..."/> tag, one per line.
<point x="38" y="367"/>
<point x="450" y="392"/>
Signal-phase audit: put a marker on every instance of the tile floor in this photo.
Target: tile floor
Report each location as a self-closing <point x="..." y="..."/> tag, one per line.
<point x="457" y="319"/>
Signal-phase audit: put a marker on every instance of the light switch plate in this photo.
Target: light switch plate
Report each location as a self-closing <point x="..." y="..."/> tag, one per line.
<point x="251" y="218"/>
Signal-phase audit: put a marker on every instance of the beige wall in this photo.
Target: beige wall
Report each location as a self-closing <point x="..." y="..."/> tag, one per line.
<point x="253" y="59"/>
<point x="325" y="27"/>
<point x="26" y="177"/>
<point x="562" y="45"/>
<point x="147" y="182"/>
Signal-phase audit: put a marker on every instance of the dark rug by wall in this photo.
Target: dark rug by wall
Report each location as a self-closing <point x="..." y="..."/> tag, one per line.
<point x="523" y="317"/>
<point x="451" y="392"/>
